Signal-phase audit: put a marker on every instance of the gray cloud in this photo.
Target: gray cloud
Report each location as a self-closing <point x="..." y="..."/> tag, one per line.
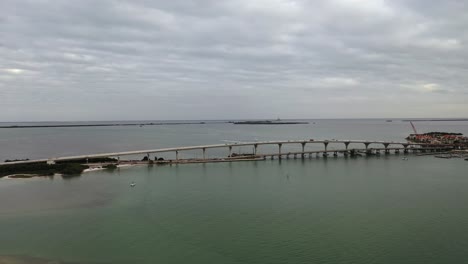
<point x="96" y="60"/>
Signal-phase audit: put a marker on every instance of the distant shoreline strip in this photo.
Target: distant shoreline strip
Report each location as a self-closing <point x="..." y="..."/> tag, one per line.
<point x="425" y="120"/>
<point x="154" y="124"/>
<point x="269" y="123"/>
<point x="102" y="125"/>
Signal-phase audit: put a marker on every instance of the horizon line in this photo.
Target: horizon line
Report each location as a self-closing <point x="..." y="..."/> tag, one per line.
<point x="237" y="119"/>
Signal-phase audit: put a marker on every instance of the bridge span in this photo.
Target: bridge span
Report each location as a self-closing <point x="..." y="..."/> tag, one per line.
<point x="385" y="146"/>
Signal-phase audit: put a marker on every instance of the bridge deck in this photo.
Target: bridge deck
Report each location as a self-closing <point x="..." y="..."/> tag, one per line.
<point x="229" y="145"/>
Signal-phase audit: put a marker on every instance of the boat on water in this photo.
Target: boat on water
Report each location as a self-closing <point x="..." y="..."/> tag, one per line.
<point x="132" y="184"/>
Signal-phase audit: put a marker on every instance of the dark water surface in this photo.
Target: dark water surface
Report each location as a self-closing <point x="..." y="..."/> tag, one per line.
<point x="336" y="210"/>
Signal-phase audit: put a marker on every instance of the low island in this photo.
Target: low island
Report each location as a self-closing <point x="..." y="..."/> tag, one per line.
<point x="268" y="122"/>
<point x="64" y="168"/>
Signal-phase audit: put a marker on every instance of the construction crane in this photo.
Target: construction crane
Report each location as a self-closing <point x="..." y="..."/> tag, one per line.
<point x="414" y="128"/>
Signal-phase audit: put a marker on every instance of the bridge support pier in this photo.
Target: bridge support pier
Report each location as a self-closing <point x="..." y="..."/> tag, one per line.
<point x="177" y="155"/>
<point x="204" y="153"/>
<point x="386" y="148"/>
<point x="230" y="151"/>
<point x="325" y="153"/>
<point x="279" y="150"/>
<point x="255" y="149"/>
<point x="303" y="149"/>
<point x="367" y="145"/>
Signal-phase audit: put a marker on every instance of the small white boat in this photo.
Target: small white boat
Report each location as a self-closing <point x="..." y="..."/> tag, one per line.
<point x="132" y="184"/>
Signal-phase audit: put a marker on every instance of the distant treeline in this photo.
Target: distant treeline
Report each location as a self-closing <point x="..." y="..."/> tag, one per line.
<point x="13" y="160"/>
<point x="42" y="168"/>
<point x="89" y="160"/>
<point x="65" y="167"/>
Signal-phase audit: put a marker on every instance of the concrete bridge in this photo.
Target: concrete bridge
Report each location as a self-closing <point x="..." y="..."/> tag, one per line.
<point x="367" y="147"/>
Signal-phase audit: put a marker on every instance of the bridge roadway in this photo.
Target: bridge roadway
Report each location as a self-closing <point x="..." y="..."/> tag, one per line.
<point x="280" y="143"/>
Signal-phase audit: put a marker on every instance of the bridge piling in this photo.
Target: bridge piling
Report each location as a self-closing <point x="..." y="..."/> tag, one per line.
<point x="386" y="148"/>
<point x="367" y="145"/>
<point x="346" y="145"/>
<point x="303" y="149"/>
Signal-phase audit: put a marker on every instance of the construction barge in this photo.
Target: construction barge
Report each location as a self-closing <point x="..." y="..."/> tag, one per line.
<point x="457" y="140"/>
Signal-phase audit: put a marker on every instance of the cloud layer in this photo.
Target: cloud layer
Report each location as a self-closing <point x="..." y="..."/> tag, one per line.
<point x="209" y="59"/>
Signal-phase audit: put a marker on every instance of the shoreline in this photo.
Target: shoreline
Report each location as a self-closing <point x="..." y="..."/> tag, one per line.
<point x="453" y="154"/>
<point x="23" y="259"/>
<point x="27" y="176"/>
<point x="121" y="166"/>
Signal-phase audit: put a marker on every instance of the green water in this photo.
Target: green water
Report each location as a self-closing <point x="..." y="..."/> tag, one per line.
<point x="336" y="210"/>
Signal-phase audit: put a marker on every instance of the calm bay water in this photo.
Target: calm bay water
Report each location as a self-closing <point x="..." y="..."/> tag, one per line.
<point x="336" y="210"/>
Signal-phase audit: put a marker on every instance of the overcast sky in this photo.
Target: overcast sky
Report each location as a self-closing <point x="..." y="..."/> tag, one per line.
<point x="229" y="59"/>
